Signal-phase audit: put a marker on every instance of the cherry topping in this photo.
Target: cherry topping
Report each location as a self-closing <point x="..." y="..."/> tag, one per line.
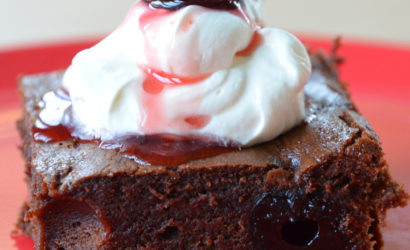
<point x="155" y="149"/>
<point x="296" y="221"/>
<point x="300" y="233"/>
<point x="177" y="4"/>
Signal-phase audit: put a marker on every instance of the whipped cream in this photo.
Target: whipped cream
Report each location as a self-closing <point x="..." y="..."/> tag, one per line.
<point x="191" y="71"/>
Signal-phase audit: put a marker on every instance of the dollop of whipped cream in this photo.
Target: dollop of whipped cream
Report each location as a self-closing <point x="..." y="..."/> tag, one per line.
<point x="190" y="71"/>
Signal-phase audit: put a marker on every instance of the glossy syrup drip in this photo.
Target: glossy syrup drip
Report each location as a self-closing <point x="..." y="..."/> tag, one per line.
<point x="177" y="4"/>
<point x="157" y="80"/>
<point x="51" y="133"/>
<point x="155" y="149"/>
<point x="153" y="86"/>
<point x="167" y="149"/>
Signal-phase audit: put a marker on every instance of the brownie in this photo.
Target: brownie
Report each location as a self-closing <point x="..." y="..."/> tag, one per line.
<point x="322" y="185"/>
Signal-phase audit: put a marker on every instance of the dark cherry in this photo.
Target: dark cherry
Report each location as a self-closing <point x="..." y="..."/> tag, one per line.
<point x="294" y="221"/>
<point x="300" y="233"/>
<point x="177" y="4"/>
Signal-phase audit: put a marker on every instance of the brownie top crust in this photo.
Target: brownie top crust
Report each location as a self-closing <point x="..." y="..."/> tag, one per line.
<point x="331" y="128"/>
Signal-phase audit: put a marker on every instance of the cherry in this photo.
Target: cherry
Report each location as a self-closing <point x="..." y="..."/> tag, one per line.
<point x="292" y="220"/>
<point x="177" y="4"/>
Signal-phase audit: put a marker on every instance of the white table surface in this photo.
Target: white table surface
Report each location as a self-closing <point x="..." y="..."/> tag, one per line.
<point x="27" y="22"/>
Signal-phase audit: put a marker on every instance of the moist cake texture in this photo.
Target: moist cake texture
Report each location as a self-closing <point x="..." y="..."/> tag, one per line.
<point x="322" y="185"/>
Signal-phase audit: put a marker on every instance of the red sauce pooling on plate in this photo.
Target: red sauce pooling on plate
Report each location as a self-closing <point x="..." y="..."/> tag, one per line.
<point x="22" y="242"/>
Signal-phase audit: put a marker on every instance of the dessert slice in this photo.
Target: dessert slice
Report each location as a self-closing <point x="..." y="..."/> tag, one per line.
<point x="322" y="185"/>
<point x="189" y="127"/>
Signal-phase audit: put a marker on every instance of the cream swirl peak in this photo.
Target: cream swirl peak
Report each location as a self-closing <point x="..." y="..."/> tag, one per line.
<point x="190" y="71"/>
<point x="192" y="41"/>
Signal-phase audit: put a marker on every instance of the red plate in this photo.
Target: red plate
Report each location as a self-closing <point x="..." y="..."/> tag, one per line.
<point x="379" y="81"/>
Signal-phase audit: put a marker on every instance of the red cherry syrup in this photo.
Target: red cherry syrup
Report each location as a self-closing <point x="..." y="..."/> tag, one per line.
<point x="155" y="149"/>
<point x="156" y="80"/>
<point x="177" y="4"/>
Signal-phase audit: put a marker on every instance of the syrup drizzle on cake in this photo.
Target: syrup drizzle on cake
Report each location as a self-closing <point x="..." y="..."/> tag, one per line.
<point x="155" y="149"/>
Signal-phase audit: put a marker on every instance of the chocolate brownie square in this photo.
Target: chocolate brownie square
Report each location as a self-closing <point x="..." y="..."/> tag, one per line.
<point x="322" y="185"/>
